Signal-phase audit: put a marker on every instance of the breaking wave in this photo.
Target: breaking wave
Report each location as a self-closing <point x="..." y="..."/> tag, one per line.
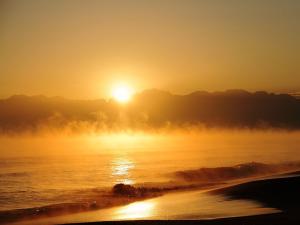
<point x="245" y="170"/>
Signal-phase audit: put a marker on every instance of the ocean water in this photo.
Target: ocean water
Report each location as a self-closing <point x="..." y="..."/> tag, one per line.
<point x="44" y="170"/>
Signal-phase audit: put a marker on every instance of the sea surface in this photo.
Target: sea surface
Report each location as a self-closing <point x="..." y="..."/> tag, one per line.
<point x="41" y="170"/>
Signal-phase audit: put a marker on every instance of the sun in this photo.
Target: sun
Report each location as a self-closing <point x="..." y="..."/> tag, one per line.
<point x="122" y="93"/>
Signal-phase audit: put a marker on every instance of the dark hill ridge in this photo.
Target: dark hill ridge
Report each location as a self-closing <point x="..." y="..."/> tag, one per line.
<point x="154" y="109"/>
<point x="233" y="108"/>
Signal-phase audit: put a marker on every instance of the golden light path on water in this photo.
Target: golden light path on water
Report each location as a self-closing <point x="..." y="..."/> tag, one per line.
<point x="121" y="170"/>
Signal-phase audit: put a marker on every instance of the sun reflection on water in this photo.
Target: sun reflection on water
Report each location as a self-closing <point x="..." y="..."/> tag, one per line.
<point x="121" y="170"/>
<point x="136" y="210"/>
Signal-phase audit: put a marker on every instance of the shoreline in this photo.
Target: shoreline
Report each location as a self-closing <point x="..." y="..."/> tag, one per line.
<point x="109" y="200"/>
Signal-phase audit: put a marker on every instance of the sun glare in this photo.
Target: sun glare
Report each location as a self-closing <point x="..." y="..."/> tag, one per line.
<point x="122" y="93"/>
<point x="136" y="210"/>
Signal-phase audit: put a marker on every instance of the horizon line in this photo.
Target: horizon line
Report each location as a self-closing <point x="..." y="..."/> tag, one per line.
<point x="295" y="94"/>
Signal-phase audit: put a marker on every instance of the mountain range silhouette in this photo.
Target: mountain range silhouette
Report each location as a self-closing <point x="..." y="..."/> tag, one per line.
<point x="154" y="109"/>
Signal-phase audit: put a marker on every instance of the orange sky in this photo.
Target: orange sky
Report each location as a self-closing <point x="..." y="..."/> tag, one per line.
<point x="80" y="49"/>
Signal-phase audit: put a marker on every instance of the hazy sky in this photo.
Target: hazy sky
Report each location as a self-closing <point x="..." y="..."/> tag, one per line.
<point x="79" y="49"/>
